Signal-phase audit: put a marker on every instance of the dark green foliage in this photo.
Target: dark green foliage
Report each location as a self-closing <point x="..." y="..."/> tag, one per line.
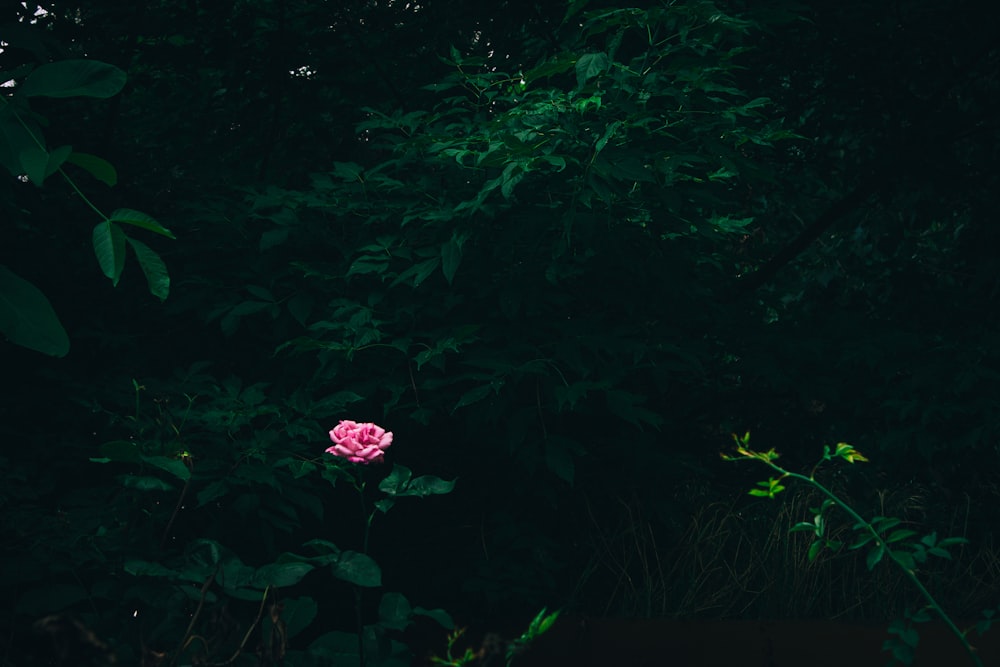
<point x="561" y="251"/>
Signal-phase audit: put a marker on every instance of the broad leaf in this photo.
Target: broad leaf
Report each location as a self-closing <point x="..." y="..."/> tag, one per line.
<point x="127" y="216"/>
<point x="281" y="575"/>
<point x="357" y="568"/>
<point x="97" y="167"/>
<point x="451" y="257"/>
<point x="153" y="267"/>
<point x="394" y="611"/>
<point x="18" y="132"/>
<point x="590" y="65"/>
<point x="109" y="248"/>
<point x="39" y="164"/>
<point x="73" y="78"/>
<point x="27" y="318"/>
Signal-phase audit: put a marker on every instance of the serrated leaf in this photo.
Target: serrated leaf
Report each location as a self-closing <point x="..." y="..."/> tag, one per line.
<point x="109" y="248"/>
<point x="27" y="318"/>
<point x="72" y="78"/>
<point x="152" y="267"/>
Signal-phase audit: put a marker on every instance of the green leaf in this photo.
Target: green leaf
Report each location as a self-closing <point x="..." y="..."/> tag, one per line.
<point x="72" y="78"/>
<point x="173" y="466"/>
<point x="124" y="451"/>
<point x="394" y="611"/>
<point x="357" y="568"/>
<point x="451" y="256"/>
<point x="473" y="396"/>
<point x="152" y="267"/>
<point x="862" y="541"/>
<point x="874" y="556"/>
<point x="803" y="527"/>
<point x="109" y="247"/>
<point x="281" y="575"/>
<point x="590" y="65"/>
<point x="127" y="216"/>
<point x="299" y="613"/>
<point x="396" y="481"/>
<point x="559" y="460"/>
<point x="900" y="535"/>
<point x="608" y="133"/>
<point x="145" y="483"/>
<point x="144" y="568"/>
<point x="27" y="318"/>
<point x="417" y="273"/>
<point x="39" y="164"/>
<point x="428" y="485"/>
<point x="97" y="167"/>
<point x="442" y="617"/>
<point x="18" y="132"/>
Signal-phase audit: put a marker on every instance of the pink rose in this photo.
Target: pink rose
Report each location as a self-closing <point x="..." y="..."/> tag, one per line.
<point x="359" y="443"/>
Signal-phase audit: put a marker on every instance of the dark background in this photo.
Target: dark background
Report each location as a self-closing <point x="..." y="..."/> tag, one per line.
<point x="600" y="340"/>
